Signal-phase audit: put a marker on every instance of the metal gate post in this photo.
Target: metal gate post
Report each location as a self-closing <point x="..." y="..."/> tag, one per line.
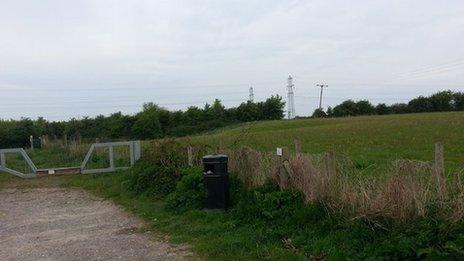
<point x="2" y="160"/>
<point x="131" y="152"/>
<point x="111" y="155"/>
<point x="137" y="150"/>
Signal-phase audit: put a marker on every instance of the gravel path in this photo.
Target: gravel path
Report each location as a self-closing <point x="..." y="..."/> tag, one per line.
<point x="71" y="224"/>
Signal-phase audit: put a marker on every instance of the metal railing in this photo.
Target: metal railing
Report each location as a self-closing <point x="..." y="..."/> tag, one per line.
<point x="4" y="167"/>
<point x="135" y="151"/>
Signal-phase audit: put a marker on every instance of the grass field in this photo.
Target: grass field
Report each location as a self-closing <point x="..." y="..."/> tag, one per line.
<point x="303" y="232"/>
<point x="367" y="140"/>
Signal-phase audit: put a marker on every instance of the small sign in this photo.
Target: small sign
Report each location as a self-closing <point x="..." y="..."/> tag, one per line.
<point x="51" y="171"/>
<point x="279" y="152"/>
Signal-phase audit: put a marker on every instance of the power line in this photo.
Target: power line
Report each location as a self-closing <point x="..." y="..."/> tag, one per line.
<point x="450" y="64"/>
<point x="353" y="98"/>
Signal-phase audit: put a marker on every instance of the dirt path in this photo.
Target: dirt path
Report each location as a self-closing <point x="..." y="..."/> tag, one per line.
<point x="71" y="224"/>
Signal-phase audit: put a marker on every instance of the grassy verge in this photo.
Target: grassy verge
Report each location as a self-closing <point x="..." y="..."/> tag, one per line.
<point x="213" y="235"/>
<point x="266" y="223"/>
<point x="270" y="224"/>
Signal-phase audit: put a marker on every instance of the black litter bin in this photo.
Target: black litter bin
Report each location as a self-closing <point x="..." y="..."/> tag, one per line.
<point x="216" y="179"/>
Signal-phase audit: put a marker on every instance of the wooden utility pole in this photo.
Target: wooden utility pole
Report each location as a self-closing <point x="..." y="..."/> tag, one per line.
<point x="320" y="96"/>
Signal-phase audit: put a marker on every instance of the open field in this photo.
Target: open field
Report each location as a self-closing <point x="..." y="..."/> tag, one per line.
<point x="367" y="139"/>
<point x="274" y="223"/>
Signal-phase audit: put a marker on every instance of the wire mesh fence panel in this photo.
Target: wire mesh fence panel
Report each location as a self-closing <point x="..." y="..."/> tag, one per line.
<point x="58" y="156"/>
<point x="16" y="162"/>
<point x="99" y="159"/>
<point x="122" y="156"/>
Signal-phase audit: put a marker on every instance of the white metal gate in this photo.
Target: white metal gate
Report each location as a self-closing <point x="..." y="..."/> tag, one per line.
<point x="134" y="147"/>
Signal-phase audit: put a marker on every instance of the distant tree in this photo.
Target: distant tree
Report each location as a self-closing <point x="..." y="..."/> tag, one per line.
<point x="165" y="119"/>
<point x="40" y="126"/>
<point x="6" y="131"/>
<point x="319" y="113"/>
<point x="346" y="108"/>
<point x="147" y="124"/>
<point x="119" y="125"/>
<point x="21" y="132"/>
<point x="420" y="104"/>
<point x="273" y="108"/>
<point x="364" y="107"/>
<point x="329" y="112"/>
<point x="154" y="121"/>
<point x="247" y="111"/>
<point x="193" y="115"/>
<point x="458" y="99"/>
<point x="399" y="108"/>
<point x="442" y="101"/>
<point x="218" y="111"/>
<point x="382" y="109"/>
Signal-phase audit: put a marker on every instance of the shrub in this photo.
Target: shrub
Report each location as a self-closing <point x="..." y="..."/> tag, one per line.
<point x="152" y="180"/>
<point x="268" y="203"/>
<point x="319" y="113"/>
<point x="168" y="153"/>
<point x="189" y="193"/>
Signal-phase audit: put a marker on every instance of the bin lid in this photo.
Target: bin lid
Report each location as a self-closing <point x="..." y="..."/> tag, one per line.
<point x="215" y="158"/>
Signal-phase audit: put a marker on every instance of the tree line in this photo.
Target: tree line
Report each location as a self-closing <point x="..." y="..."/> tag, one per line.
<point x="440" y="101"/>
<point x="151" y="122"/>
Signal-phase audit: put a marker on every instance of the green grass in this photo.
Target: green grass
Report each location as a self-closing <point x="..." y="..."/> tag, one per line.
<point x="55" y="157"/>
<point x="5" y="178"/>
<point x="310" y="231"/>
<point x="367" y="139"/>
<point x="370" y="140"/>
<point x="213" y="235"/>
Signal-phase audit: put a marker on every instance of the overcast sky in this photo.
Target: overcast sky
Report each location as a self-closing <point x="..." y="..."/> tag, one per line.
<point x="62" y="59"/>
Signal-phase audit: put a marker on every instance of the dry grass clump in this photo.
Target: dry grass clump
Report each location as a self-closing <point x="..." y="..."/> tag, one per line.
<point x="407" y="193"/>
<point x="252" y="167"/>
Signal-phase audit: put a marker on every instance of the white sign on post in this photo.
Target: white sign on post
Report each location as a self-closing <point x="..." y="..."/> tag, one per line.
<point x="279" y="152"/>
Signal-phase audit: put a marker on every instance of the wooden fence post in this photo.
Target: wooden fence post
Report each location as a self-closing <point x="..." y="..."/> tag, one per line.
<point x="31" y="140"/>
<point x="190" y="156"/>
<point x="297" y="147"/>
<point x="283" y="174"/>
<point x="439" y="170"/>
<point x="330" y="164"/>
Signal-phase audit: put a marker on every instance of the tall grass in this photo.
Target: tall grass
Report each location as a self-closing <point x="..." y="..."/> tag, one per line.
<point x="407" y="191"/>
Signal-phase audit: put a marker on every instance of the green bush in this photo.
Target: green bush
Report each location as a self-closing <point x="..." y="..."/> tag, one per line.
<point x="267" y="203"/>
<point x="190" y="191"/>
<point x="152" y="180"/>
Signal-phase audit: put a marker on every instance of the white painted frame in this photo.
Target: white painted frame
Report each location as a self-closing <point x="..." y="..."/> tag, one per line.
<point x="22" y="152"/>
<point x="135" y="154"/>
